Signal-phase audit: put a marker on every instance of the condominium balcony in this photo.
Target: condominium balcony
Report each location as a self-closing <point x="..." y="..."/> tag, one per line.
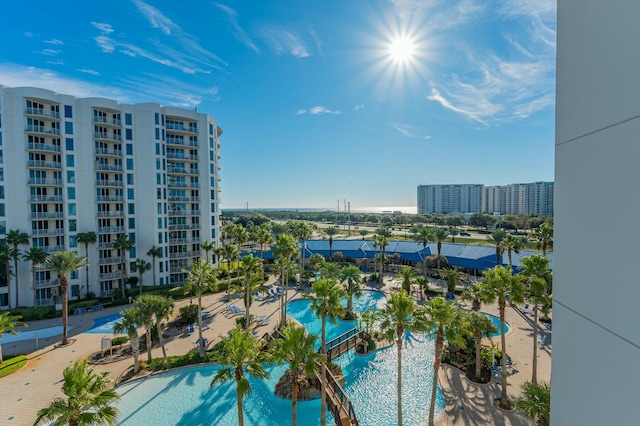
<point x="46" y="215"/>
<point x="53" y="249"/>
<point x="115" y="183"/>
<point x="117" y="213"/>
<point x="105" y="245"/>
<point x="48" y="147"/>
<point x="45" y="181"/>
<point x="41" y="112"/>
<point x="109" y="136"/>
<point x="110" y="167"/>
<point x="182" y="170"/>
<point x="182" y="156"/>
<point x="47" y="232"/>
<point x="110" y="198"/>
<point x="193" y="240"/>
<point x="108" y="293"/>
<point x="108" y="260"/>
<point x="182" y="128"/>
<point x="44" y="302"/>
<point x="111" y="229"/>
<point x="180" y="212"/>
<point x="47" y="283"/>
<point x="180" y="226"/>
<point x="172" y="140"/>
<point x="108" y="152"/>
<point x="110" y="275"/>
<point x="183" y="254"/>
<point x="44" y="164"/>
<point x="44" y="130"/>
<point x="107" y="120"/>
<point x="176" y="184"/>
<point x="45" y="198"/>
<point x="183" y="198"/>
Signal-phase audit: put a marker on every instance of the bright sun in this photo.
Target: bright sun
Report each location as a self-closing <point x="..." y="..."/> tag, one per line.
<point x="402" y="49"/>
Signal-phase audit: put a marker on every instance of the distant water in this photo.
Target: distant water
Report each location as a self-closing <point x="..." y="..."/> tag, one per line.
<point x="354" y="209"/>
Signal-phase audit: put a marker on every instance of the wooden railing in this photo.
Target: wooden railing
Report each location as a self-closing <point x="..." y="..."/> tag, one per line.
<point x="341" y="344"/>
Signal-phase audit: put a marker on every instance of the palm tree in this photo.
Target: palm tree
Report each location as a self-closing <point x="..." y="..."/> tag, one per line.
<point x="154" y="252"/>
<point x="363" y="233"/>
<point x="512" y="244"/>
<point x="298" y="349"/>
<point x="15" y="238"/>
<point x="87" y="238"/>
<point x="123" y="244"/>
<point x="479" y="326"/>
<point x="316" y="260"/>
<point x="423" y="235"/>
<point x="153" y="309"/>
<point x="200" y="279"/>
<point x="330" y="232"/>
<point x="400" y="315"/>
<point x="440" y="234"/>
<point x="6" y="253"/>
<point x="452" y="277"/>
<point x="63" y="263"/>
<point x="7" y="324"/>
<point x="537" y="277"/>
<point x="89" y="396"/>
<point x="446" y="318"/>
<point x="36" y="256"/>
<point x="544" y="238"/>
<point x="207" y="246"/>
<point x="384" y="234"/>
<point x="325" y="303"/>
<point x="249" y="267"/>
<point x="535" y="402"/>
<point x="129" y="323"/>
<point x="230" y="254"/>
<point x="330" y="270"/>
<point x="240" y="352"/>
<point x="141" y="266"/>
<point x="496" y="238"/>
<point x="407" y="274"/>
<point x="498" y="283"/>
<point x="263" y="236"/>
<point x="286" y="248"/>
<point x="453" y="232"/>
<point x="475" y="295"/>
<point x="350" y="275"/>
<point x="302" y="231"/>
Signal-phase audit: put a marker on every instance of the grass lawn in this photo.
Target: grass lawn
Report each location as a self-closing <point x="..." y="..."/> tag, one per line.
<point x="12" y="365"/>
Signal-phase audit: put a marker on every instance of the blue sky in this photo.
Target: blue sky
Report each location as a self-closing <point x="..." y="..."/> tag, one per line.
<point x="315" y="98"/>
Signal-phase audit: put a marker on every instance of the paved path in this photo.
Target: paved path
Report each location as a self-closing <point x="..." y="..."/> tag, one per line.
<point x="32" y="388"/>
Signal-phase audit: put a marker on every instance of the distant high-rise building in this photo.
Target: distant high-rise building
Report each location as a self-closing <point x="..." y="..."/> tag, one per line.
<point x="450" y="198"/>
<point x="519" y="198"/>
<point x="71" y="165"/>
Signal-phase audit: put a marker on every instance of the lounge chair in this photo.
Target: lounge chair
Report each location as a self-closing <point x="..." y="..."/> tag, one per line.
<point x="263" y="319"/>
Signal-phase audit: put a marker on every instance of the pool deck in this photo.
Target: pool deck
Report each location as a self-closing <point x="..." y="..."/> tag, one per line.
<point x="33" y="387"/>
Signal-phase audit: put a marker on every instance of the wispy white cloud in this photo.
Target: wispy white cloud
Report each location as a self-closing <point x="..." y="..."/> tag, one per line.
<point x="408" y="130"/>
<point x="104" y="28"/>
<point x="88" y="71"/>
<point x="357" y="107"/>
<point x="301" y="111"/>
<point x="239" y="33"/>
<point x="171" y="91"/>
<point x="285" y="41"/>
<point x="50" y="52"/>
<point x="54" y="41"/>
<point x="56" y="62"/>
<point x="323" y="110"/>
<point x="156" y="18"/>
<point x="105" y="44"/>
<point x="28" y="34"/>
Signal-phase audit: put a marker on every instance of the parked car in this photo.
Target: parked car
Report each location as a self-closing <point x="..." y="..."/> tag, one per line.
<point x="465" y="234"/>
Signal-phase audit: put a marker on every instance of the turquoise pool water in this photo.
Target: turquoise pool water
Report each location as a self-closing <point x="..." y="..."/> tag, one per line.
<point x="183" y="397"/>
<point x="104" y="325"/>
<point x="31" y="334"/>
<point x="496" y="322"/>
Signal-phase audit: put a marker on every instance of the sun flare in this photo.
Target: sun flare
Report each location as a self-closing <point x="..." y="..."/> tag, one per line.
<point x="402" y="49"/>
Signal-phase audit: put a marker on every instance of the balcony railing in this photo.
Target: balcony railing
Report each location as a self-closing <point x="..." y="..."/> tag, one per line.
<point x="109" y="260"/>
<point x="104" y="135"/>
<point x="110" y="167"/>
<point x="44" y="164"/>
<point x="178" y="184"/>
<point x="116" y="183"/>
<point x="180" y="141"/>
<point x="43" y="129"/>
<point x="42" y="112"/>
<point x="183" y="254"/>
<point x="183" y="198"/>
<point x="110" y="275"/>
<point x="105" y="245"/>
<point x="44" y="302"/>
<point x="52" y="249"/>
<point x="107" y="120"/>
<point x="179" y="226"/>
<point x="110" y="152"/>
<point x="45" y="198"/>
<point x="46" y="215"/>
<point x="182" y="170"/>
<point x="182" y="156"/>
<point x="45" y="181"/>
<point x="184" y="240"/>
<point x="49" y="147"/>
<point x="110" y="229"/>
<point x="110" y="198"/>
<point x="117" y="213"/>
<point x="181" y="127"/>
<point x="47" y="283"/>
<point x="180" y="212"/>
<point x="47" y="232"/>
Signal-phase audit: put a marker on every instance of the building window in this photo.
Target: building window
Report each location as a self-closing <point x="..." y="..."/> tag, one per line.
<point x="157" y="148"/>
<point x="157" y="133"/>
<point x="3" y="227"/>
<point x="128" y="134"/>
<point x="71" y="176"/>
<point x="213" y="221"/>
<point x="72" y="225"/>
<point x="68" y="127"/>
<point x="68" y="111"/>
<point x="213" y="234"/>
<point x="2" y="210"/>
<point x="71" y="193"/>
<point x="160" y="237"/>
<point x="72" y="209"/>
<point x="1" y="192"/>
<point x="73" y="241"/>
<point x="130" y="193"/>
<point x="157" y="178"/>
<point x="210" y="128"/>
<point x="157" y="117"/>
<point x="69" y="143"/>
<point x="132" y="223"/>
<point x="159" y="223"/>
<point x="129" y="149"/>
<point x="158" y="164"/>
<point x="128" y="119"/>
<point x="129" y="178"/>
<point x="131" y="208"/>
<point x="159" y="208"/>
<point x="129" y="163"/>
<point x="70" y="160"/>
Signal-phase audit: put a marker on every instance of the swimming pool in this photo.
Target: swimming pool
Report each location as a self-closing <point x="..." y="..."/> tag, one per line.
<point x="496" y="322"/>
<point x="184" y="397"/>
<point x="104" y="325"/>
<point x="31" y="334"/>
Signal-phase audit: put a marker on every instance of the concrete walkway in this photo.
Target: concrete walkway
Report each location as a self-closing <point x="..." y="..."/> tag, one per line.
<point x="33" y="387"/>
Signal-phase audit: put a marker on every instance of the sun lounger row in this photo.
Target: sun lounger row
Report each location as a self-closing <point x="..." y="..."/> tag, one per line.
<point x="235" y="310"/>
<point x="82" y="311"/>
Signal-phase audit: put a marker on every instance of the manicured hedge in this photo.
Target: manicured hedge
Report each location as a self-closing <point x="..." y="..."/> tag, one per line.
<point x="12" y="365"/>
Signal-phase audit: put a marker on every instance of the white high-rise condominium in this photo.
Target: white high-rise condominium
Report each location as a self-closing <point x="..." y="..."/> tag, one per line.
<point x="519" y="198"/>
<point x="449" y="198"/>
<point x="70" y="165"/>
<point x="596" y="343"/>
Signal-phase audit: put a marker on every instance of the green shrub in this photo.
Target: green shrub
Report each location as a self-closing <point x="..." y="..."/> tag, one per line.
<point x="35" y="314"/>
<point x="241" y="321"/>
<point x="119" y="341"/>
<point x="12" y="365"/>
<point x="188" y="315"/>
<point x="159" y="364"/>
